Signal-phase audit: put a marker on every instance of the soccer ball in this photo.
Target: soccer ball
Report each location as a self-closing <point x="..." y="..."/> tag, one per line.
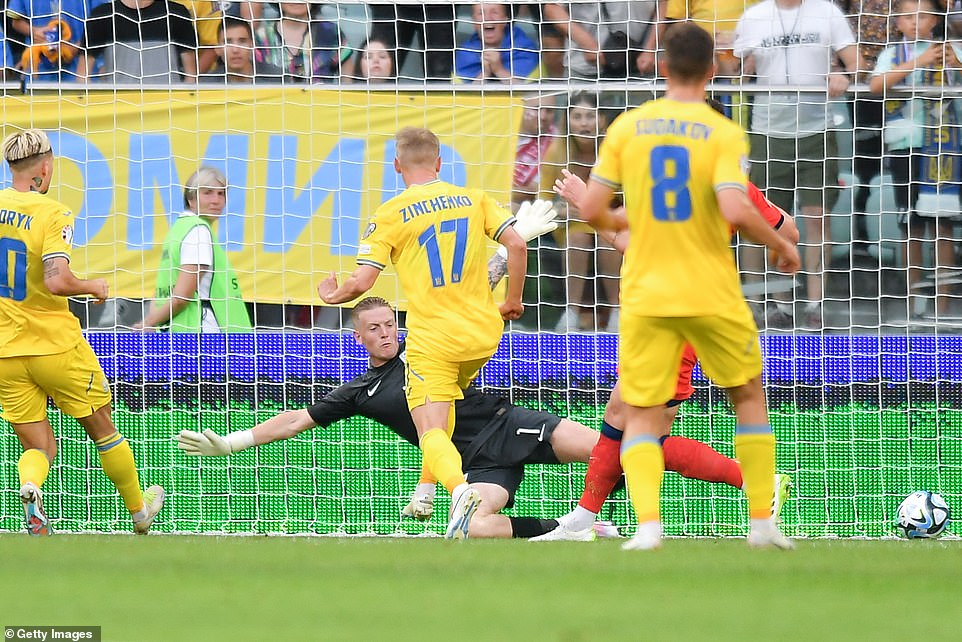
<point x="922" y="514"/>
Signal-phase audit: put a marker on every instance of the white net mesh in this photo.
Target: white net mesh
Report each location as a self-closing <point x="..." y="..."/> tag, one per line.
<point x="297" y="105"/>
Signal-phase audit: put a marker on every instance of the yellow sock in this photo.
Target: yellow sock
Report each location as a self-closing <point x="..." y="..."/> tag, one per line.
<point x="441" y="458"/>
<point x="644" y="465"/>
<point x="426" y="476"/>
<point x="33" y="466"/>
<point x="755" y="450"/>
<point x="118" y="463"/>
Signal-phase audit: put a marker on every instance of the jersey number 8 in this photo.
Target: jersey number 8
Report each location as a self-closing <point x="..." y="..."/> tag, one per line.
<point x="15" y="288"/>
<point x="671" y="187"/>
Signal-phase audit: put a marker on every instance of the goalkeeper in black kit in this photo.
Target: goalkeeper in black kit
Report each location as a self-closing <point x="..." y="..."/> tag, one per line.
<point x="496" y="439"/>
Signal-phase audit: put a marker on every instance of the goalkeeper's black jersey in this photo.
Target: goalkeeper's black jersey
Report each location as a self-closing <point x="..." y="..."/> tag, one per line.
<point x="378" y="394"/>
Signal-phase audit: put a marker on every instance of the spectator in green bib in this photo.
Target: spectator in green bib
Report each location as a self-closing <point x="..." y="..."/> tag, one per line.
<point x="197" y="290"/>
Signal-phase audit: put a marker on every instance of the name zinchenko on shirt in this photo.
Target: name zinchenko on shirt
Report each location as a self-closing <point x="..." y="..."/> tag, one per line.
<point x="434" y="205"/>
<point x="670" y="126"/>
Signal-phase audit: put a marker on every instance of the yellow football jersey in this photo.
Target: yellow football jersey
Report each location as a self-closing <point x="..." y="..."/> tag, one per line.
<point x="710" y="15"/>
<point x="434" y="233"/>
<point x="670" y="157"/>
<point x="33" y="321"/>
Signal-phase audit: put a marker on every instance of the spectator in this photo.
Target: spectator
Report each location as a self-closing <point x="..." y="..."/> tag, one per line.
<point x="791" y="42"/>
<point x="374" y="62"/>
<point x="7" y="71"/>
<point x="197" y="289"/>
<point x="140" y="41"/>
<point x="554" y="28"/>
<point x="538" y="130"/>
<point x="498" y="50"/>
<point x="923" y="136"/>
<point x="586" y="254"/>
<point x="622" y="30"/>
<point x="237" y="63"/>
<point x="208" y="17"/>
<point x="433" y="24"/>
<point x="306" y="47"/>
<point x="53" y="32"/>
<point x="717" y="17"/>
<point x="870" y="22"/>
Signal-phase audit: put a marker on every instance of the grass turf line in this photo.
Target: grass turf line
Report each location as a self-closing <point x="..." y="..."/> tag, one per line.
<point x="174" y="588"/>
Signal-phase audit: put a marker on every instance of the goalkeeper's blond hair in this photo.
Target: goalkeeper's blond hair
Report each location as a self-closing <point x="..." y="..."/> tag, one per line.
<point x="22" y="149"/>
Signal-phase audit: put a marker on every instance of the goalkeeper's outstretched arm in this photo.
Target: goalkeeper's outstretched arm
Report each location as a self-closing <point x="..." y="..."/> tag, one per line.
<point x="210" y="444"/>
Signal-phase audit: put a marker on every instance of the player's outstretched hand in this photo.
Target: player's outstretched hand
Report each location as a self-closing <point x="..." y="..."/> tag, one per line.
<point x="511" y="310"/>
<point x="202" y="444"/>
<point x="327" y="287"/>
<point x="535" y="218"/>
<point x="571" y="188"/>
<point x="420" y="508"/>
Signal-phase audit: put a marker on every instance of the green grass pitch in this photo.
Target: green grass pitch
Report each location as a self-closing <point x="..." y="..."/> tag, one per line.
<point x="172" y="588"/>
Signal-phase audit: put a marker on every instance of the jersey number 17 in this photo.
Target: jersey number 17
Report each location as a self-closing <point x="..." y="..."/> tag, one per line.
<point x="429" y="241"/>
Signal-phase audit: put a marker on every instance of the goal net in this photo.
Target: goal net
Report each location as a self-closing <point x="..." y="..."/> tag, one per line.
<point x="861" y="349"/>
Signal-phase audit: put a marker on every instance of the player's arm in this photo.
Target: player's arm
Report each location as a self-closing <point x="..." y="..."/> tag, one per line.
<point x="362" y="280"/>
<point x="183" y="292"/>
<point x="338" y="404"/>
<point x="571" y="188"/>
<point x="533" y="219"/>
<point x="741" y="214"/>
<point x="512" y="308"/>
<point x="61" y="281"/>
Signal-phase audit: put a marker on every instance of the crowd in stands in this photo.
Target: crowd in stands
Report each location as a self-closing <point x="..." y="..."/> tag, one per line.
<point x="825" y="44"/>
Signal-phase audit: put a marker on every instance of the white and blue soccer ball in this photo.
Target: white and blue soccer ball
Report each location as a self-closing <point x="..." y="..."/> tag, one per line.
<point x="922" y="515"/>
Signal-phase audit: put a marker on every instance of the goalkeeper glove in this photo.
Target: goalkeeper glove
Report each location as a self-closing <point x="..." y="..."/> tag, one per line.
<point x="421" y="508"/>
<point x="210" y="444"/>
<point x="535" y="218"/>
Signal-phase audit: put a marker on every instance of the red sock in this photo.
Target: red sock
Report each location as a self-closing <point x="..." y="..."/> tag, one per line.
<point x="604" y="471"/>
<point x="696" y="460"/>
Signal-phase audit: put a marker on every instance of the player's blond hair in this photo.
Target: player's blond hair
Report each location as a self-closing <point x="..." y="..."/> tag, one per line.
<point x="204" y="177"/>
<point x="22" y="149"/>
<point x="417" y="147"/>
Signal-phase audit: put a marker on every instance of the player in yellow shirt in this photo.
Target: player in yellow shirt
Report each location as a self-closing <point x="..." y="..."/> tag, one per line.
<point x="434" y="233"/>
<point x="682" y="167"/>
<point x="42" y="351"/>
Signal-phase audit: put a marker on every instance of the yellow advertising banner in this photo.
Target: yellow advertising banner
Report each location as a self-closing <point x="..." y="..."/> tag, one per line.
<point x="306" y="168"/>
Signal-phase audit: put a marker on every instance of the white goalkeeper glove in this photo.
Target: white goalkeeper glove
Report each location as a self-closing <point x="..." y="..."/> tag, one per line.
<point x="535" y="218"/>
<point x="421" y="506"/>
<point x="210" y="444"/>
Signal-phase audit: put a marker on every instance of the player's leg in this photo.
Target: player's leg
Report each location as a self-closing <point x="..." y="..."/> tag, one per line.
<point x="117" y="462"/>
<point x="77" y="385"/>
<point x="731" y="355"/>
<point x="39" y="449"/>
<point x="650" y="352"/>
<point x="24" y="406"/>
<point x="432" y="386"/>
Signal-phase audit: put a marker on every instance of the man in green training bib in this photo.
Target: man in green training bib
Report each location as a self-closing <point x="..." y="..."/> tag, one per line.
<point x="197" y="290"/>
